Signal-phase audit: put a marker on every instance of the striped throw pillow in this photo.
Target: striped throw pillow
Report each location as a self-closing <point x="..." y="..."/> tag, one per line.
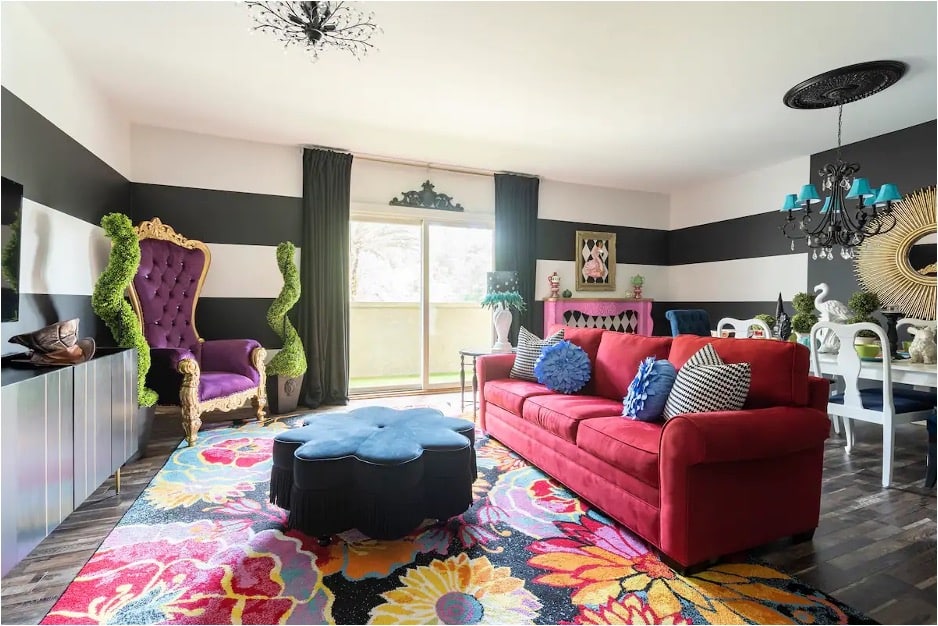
<point x="706" y="384"/>
<point x="529" y="349"/>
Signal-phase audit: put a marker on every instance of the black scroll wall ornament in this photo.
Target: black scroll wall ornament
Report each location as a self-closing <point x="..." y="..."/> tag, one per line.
<point x="426" y="198"/>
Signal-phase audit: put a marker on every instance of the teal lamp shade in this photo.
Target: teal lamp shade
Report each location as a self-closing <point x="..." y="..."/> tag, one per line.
<point x="860" y="189"/>
<point x="827" y="205"/>
<point x="872" y="199"/>
<point x="790" y="203"/>
<point x="888" y="193"/>
<point x="808" y="195"/>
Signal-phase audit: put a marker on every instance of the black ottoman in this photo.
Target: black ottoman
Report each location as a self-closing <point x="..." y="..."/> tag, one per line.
<point x="380" y="470"/>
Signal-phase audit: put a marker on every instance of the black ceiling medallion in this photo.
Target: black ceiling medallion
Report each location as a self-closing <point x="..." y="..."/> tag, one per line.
<point x="426" y="198"/>
<point x="845" y="84"/>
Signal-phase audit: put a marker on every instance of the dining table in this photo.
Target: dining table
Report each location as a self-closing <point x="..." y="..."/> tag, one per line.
<point x="904" y="371"/>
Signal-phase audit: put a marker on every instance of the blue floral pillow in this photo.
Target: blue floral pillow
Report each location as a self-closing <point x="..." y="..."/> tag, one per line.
<point x="564" y="367"/>
<point x="649" y="390"/>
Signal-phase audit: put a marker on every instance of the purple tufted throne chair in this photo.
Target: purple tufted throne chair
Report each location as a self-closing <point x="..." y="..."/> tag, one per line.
<point x="198" y="375"/>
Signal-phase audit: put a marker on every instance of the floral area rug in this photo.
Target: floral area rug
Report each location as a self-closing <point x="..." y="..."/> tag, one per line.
<point x="202" y="545"/>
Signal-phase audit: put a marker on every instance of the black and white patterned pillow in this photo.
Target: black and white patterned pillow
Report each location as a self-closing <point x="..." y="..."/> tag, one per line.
<point x="529" y="348"/>
<point x="706" y="384"/>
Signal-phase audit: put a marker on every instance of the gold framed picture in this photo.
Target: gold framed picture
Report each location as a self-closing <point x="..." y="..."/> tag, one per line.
<point x="595" y="261"/>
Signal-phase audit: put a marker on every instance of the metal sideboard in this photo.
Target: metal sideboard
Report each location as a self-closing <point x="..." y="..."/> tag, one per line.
<point x="63" y="432"/>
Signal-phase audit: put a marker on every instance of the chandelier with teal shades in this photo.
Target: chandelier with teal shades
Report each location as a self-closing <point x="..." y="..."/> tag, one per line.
<point x="852" y="210"/>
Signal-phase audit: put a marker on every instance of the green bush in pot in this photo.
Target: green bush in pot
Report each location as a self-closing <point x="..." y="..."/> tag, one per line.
<point x="285" y="371"/>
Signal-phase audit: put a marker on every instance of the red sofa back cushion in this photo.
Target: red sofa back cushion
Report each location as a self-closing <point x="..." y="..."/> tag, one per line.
<point x="588" y="339"/>
<point x="618" y="358"/>
<point x="779" y="368"/>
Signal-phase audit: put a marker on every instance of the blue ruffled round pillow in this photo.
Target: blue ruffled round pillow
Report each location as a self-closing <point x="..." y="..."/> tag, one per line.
<point x="649" y="390"/>
<point x="564" y="367"/>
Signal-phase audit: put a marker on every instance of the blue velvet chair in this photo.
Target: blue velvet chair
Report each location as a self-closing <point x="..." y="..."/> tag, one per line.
<point x="689" y="322"/>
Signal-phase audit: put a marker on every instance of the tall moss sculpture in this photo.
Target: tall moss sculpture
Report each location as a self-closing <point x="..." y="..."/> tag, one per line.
<point x="805" y="318"/>
<point x="108" y="299"/>
<point x="290" y="362"/>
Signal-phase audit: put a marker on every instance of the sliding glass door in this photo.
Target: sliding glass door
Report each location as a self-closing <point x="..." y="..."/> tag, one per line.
<point x="415" y="287"/>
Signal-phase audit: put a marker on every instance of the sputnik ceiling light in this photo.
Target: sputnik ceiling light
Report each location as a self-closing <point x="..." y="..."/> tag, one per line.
<point x="316" y="26"/>
<point x="837" y="224"/>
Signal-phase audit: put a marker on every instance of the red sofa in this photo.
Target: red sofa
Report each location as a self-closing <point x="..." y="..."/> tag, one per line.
<point x="698" y="486"/>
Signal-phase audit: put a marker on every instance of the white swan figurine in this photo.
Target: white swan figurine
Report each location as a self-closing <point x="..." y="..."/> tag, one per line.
<point x="831" y="311"/>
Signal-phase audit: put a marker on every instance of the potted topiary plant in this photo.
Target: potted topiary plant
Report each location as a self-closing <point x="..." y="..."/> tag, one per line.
<point x="285" y="371"/>
<point x="769" y="321"/>
<point x="862" y="304"/>
<point x="637" y="282"/>
<point x="110" y="304"/>
<point x="805" y="318"/>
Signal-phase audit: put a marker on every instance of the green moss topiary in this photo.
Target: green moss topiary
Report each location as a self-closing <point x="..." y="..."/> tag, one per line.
<point x="802" y="322"/>
<point x="108" y="299"/>
<point x="863" y="303"/>
<point x="10" y="262"/>
<point x="768" y="319"/>
<point x="291" y="360"/>
<point x="803" y="303"/>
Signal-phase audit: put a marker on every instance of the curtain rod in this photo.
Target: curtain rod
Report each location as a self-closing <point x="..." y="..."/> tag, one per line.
<point x="395" y="161"/>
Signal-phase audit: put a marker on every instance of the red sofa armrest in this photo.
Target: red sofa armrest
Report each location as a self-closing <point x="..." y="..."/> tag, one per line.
<point x="741" y="435"/>
<point x="819" y="390"/>
<point x="732" y="480"/>
<point x="491" y="367"/>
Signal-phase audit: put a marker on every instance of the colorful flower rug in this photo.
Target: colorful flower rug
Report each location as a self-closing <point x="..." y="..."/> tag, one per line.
<point x="202" y="545"/>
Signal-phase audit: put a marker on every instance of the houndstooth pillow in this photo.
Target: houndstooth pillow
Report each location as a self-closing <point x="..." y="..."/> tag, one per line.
<point x="529" y="348"/>
<point x="706" y="384"/>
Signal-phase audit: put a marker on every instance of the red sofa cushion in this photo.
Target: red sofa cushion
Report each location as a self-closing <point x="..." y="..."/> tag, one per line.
<point x="560" y="414"/>
<point x="510" y="393"/>
<point x="618" y="358"/>
<point x="779" y="368"/>
<point x="629" y="445"/>
<point x="588" y="339"/>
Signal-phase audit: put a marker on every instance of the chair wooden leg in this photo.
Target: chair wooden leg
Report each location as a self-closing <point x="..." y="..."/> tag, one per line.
<point x="191" y="423"/>
<point x="260" y="403"/>
<point x="889" y="435"/>
<point x="848" y="433"/>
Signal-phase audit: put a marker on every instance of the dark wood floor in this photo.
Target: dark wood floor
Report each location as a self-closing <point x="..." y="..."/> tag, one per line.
<point x="874" y="549"/>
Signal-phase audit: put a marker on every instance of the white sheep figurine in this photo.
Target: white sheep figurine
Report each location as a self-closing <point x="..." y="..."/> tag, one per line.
<point x="923" y="348"/>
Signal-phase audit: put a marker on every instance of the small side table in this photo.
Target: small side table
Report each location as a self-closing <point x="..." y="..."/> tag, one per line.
<point x="474" y="354"/>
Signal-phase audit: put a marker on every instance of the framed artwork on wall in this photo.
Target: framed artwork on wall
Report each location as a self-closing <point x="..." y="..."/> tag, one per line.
<point x="595" y="261"/>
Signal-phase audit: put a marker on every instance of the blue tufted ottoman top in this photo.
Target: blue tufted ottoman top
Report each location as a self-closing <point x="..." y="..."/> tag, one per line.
<point x="378" y="435"/>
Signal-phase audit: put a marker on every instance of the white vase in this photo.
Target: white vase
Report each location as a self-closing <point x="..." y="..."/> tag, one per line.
<point x="501" y="319"/>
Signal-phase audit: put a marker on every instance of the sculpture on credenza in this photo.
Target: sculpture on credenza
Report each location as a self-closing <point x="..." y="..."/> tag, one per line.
<point x="782" y="329"/>
<point x="831" y="311"/>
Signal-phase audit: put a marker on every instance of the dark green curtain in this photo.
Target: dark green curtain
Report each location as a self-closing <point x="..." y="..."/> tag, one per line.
<point x="516" y="240"/>
<point x="323" y="321"/>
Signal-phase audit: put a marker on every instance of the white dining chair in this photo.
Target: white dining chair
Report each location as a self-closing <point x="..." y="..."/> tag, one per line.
<point x="741" y="327"/>
<point x="884" y="406"/>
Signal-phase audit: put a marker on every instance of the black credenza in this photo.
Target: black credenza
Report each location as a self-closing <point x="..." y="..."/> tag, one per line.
<point x="63" y="432"/>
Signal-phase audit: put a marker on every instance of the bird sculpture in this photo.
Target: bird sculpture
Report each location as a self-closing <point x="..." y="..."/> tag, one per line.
<point x="831" y="311"/>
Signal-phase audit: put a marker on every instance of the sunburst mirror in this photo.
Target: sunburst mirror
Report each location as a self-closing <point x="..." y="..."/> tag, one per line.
<point x="899" y="266"/>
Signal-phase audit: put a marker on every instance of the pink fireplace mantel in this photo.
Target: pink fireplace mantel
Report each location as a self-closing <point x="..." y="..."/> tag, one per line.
<point x="640" y="318"/>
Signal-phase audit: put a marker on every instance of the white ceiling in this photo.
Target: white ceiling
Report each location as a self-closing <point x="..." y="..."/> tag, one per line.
<point x="637" y="95"/>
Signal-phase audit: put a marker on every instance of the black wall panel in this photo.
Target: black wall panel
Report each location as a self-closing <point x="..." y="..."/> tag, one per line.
<point x="556" y="241"/>
<point x="229" y="217"/>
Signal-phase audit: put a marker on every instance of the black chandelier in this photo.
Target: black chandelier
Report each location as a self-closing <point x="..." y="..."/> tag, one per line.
<point x="837" y="224"/>
<point x="316" y="25"/>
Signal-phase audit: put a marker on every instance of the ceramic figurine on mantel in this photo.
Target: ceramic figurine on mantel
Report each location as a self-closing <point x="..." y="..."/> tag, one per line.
<point x="554" y="281"/>
<point x="637" y="282"/>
